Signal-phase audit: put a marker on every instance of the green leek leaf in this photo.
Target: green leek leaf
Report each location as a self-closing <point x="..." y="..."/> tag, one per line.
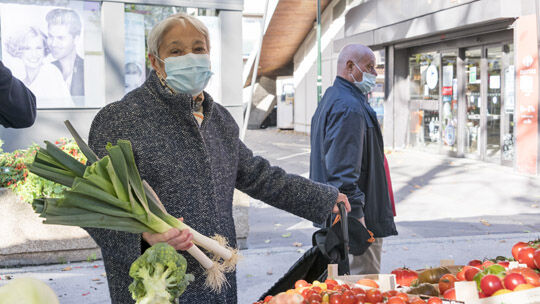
<point x="85" y="149"/>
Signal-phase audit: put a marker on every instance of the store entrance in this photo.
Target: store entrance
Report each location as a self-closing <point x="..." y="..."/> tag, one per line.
<point x="462" y="101"/>
<point x="489" y="95"/>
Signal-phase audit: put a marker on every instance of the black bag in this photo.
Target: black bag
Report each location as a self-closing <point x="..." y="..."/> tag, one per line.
<point x="330" y="246"/>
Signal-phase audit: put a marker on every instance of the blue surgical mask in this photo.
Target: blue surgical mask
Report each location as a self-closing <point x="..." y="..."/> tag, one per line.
<point x="367" y="83"/>
<point x="189" y="73"/>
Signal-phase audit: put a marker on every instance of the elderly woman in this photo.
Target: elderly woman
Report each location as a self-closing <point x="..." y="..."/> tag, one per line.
<point x="187" y="148"/>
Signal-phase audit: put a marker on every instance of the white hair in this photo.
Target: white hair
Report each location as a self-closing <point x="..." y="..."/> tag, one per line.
<point x="156" y="34"/>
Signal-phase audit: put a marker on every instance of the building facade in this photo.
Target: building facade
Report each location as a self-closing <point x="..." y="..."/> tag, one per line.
<point x="456" y="77"/>
<point x="108" y="41"/>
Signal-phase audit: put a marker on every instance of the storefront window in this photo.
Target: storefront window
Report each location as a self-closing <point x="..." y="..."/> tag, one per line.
<point x="474" y="102"/>
<point x="449" y="101"/>
<point x="55" y="48"/>
<point x="139" y="21"/>
<point x="376" y="97"/>
<point x="424" y="124"/>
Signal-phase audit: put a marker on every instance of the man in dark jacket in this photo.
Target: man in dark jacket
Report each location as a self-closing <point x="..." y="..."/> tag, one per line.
<point x="347" y="150"/>
<point x="17" y="103"/>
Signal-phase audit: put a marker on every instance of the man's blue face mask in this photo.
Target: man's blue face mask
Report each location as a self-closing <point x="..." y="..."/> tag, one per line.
<point x="189" y="73"/>
<point x="367" y="83"/>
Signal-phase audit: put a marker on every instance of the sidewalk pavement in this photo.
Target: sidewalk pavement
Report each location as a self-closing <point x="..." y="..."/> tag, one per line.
<point x="448" y="208"/>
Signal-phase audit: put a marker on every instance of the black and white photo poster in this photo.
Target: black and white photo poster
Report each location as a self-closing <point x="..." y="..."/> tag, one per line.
<point x="43" y="46"/>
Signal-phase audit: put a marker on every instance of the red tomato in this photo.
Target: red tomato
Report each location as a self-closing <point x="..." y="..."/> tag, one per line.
<point x="475" y="263"/>
<point x="348" y="297"/>
<point x="450" y="294"/>
<point x="481" y="295"/>
<point x="330" y="281"/>
<point x="389" y="294"/>
<point x="403" y="296"/>
<point x="530" y="275"/>
<point x="470" y="273"/>
<point x="486" y="264"/>
<point x="335" y="298"/>
<point x="396" y="300"/>
<point x="417" y="301"/>
<point x="300" y="284"/>
<point x="461" y="274"/>
<point x="315" y="297"/>
<point x="517" y="248"/>
<point x="360" y="298"/>
<point x="316" y="289"/>
<point x="405" y="276"/>
<point x="374" y="296"/>
<point x="512" y="280"/>
<point x="306" y="293"/>
<point x="446" y="282"/>
<point x="526" y="256"/>
<point x="536" y="257"/>
<point x="358" y="290"/>
<point x="434" y="300"/>
<point x="267" y="299"/>
<point x="490" y="283"/>
<point x="332" y="286"/>
<point x="504" y="264"/>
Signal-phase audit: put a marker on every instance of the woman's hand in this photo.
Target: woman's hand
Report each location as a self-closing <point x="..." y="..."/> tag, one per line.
<point x="180" y="240"/>
<point x="342" y="198"/>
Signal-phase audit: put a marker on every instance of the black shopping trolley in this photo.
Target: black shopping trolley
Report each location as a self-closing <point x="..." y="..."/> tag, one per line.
<point x="330" y="246"/>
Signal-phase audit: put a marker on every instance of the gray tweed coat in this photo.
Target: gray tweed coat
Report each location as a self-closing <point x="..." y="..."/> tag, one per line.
<point x="194" y="172"/>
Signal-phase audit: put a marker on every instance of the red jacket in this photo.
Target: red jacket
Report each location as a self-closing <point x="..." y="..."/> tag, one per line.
<point x="389" y="182"/>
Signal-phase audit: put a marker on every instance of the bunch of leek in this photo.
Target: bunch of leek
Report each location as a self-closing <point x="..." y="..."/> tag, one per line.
<point x="110" y="194"/>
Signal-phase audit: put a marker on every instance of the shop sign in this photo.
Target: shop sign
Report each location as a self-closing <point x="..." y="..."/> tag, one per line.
<point x="447" y="91"/>
<point x="527" y="95"/>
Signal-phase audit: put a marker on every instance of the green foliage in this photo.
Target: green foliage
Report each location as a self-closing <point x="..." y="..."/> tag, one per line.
<point x="26" y="185"/>
<point x="159" y="275"/>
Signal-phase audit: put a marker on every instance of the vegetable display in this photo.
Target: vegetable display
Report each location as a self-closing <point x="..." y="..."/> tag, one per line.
<point x="110" y="194"/>
<point x="159" y="275"/>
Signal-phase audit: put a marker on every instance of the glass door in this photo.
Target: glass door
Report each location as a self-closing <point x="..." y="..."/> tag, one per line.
<point x="474" y="101"/>
<point x="449" y="108"/>
<point x="494" y="101"/>
<point x="424" y="125"/>
<point x="507" y="128"/>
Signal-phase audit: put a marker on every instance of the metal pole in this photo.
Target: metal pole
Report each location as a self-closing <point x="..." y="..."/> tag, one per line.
<point x="254" y="76"/>
<point x="319" y="76"/>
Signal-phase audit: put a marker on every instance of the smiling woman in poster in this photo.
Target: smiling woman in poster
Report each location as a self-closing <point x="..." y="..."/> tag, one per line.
<point x="41" y="77"/>
<point x="187" y="148"/>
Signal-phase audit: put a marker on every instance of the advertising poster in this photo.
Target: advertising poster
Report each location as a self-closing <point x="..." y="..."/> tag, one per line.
<point x="135" y="57"/>
<point x="527" y="95"/>
<point x="43" y="46"/>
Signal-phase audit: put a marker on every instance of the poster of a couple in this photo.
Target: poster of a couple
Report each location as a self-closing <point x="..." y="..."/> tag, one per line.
<point x="43" y="46"/>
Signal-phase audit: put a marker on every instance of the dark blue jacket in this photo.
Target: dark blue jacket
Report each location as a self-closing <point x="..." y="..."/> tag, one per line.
<point x="17" y="103"/>
<point x="347" y="152"/>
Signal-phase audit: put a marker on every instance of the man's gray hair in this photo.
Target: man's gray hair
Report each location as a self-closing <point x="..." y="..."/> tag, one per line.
<point x="155" y="38"/>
